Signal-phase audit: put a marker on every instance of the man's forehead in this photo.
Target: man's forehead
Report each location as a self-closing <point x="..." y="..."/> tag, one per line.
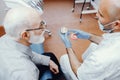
<point x="109" y="10"/>
<point x="110" y="3"/>
<point x="103" y="10"/>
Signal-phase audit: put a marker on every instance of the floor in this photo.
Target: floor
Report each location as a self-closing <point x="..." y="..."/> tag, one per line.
<point x="57" y="13"/>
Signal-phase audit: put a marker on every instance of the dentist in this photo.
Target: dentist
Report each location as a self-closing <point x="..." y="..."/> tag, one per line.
<point x="101" y="59"/>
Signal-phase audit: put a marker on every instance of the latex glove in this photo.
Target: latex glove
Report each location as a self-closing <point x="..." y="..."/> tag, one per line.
<point x="65" y="39"/>
<point x="53" y="67"/>
<point x="80" y="34"/>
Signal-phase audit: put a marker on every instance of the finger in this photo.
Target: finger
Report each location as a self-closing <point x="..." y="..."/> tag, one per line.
<point x="64" y="30"/>
<point x="55" y="71"/>
<point x="52" y="70"/>
<point x="73" y="36"/>
<point x="73" y="30"/>
<point x="61" y="35"/>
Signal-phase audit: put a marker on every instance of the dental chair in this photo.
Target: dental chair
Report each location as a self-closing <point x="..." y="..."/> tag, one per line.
<point x="92" y="3"/>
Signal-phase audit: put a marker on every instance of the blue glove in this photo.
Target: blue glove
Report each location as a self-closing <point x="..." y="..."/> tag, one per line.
<point x="80" y="34"/>
<point x="65" y="39"/>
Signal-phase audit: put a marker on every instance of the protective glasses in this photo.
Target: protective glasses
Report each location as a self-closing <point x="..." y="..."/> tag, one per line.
<point x="41" y="27"/>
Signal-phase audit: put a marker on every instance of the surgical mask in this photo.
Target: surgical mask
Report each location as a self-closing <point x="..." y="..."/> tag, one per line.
<point x="35" y="39"/>
<point x="102" y="28"/>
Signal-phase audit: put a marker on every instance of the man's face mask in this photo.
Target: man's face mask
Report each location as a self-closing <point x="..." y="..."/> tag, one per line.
<point x="108" y="28"/>
<point x="35" y="39"/>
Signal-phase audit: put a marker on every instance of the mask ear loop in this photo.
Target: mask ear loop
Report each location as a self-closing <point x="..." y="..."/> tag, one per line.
<point x="112" y="24"/>
<point x="117" y="24"/>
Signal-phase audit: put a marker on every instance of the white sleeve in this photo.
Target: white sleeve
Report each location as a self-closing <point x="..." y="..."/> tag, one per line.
<point x="90" y="49"/>
<point x="66" y="68"/>
<point x="90" y="69"/>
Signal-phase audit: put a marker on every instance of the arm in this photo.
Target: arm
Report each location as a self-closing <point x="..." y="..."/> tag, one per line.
<point x="45" y="60"/>
<point x="84" y="35"/>
<point x="40" y="59"/>
<point x="95" y="39"/>
<point x="74" y="62"/>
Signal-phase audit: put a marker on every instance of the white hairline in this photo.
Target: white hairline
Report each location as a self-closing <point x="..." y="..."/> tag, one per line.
<point x="14" y="29"/>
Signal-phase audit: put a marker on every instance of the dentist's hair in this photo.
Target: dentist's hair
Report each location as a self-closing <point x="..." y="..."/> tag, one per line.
<point x="19" y="19"/>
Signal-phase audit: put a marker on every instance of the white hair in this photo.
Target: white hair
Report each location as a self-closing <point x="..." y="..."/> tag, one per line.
<point x="19" y="19"/>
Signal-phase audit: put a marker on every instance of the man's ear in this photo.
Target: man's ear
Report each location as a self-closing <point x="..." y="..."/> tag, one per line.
<point x="117" y="24"/>
<point x="25" y="35"/>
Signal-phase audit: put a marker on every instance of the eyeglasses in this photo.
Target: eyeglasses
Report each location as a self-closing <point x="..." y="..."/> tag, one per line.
<point x="42" y="26"/>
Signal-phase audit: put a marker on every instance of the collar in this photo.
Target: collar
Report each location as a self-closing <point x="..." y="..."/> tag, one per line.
<point x="18" y="46"/>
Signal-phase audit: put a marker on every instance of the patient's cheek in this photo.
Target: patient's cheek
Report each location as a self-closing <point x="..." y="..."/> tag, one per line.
<point x="73" y="36"/>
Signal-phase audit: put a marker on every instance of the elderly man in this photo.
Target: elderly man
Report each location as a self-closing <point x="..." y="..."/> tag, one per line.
<point x="101" y="61"/>
<point x="37" y="5"/>
<point x="22" y="27"/>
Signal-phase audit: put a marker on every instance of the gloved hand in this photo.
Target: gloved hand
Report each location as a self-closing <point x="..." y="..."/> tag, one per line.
<point x="80" y="34"/>
<point x="65" y="39"/>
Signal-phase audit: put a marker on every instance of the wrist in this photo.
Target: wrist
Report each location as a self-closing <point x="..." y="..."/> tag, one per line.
<point x="67" y="50"/>
<point x="68" y="46"/>
<point x="85" y="35"/>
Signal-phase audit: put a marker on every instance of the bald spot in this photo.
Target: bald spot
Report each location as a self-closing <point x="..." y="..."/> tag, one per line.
<point x="111" y="9"/>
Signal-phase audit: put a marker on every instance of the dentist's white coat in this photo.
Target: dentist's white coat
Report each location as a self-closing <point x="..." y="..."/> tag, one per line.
<point x="100" y="62"/>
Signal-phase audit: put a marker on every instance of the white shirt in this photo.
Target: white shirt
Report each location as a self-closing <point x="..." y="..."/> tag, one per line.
<point x="17" y="61"/>
<point x="102" y="63"/>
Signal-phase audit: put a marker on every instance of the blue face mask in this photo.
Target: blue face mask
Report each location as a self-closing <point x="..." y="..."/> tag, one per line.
<point x="102" y="28"/>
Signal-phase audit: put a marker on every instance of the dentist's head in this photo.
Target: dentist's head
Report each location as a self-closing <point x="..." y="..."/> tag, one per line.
<point x="109" y="15"/>
<point x="23" y="25"/>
